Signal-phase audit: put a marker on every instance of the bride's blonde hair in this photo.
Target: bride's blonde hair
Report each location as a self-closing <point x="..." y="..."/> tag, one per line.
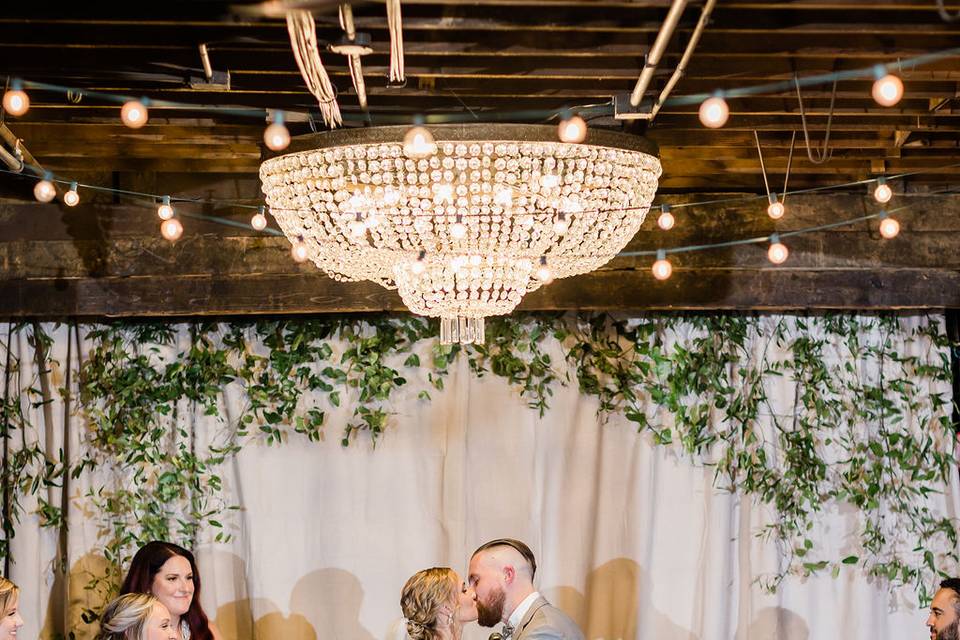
<point x="8" y="592"/>
<point x="126" y="617"/>
<point x="423" y="599"/>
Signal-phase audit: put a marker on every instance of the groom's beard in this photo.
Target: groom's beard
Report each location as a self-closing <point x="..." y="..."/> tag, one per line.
<point x="950" y="633"/>
<point x="491" y="613"/>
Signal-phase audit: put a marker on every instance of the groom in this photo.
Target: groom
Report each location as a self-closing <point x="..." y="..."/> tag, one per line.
<point x="501" y="574"/>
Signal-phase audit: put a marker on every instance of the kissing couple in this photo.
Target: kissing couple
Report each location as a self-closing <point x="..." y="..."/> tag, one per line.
<point x="499" y="589"/>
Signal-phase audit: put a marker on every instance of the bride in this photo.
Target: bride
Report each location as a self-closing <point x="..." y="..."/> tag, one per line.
<point x="436" y="604"/>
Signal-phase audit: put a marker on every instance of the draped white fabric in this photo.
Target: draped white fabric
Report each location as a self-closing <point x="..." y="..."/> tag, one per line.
<point x="632" y="539"/>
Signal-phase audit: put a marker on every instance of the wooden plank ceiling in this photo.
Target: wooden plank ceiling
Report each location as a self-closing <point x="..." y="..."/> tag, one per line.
<point x="105" y="257"/>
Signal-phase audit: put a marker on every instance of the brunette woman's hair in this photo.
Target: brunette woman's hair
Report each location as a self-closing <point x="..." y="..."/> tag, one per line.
<point x="146" y="564"/>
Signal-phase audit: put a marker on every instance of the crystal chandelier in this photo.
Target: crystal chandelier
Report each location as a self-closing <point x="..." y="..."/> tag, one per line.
<point x="462" y="220"/>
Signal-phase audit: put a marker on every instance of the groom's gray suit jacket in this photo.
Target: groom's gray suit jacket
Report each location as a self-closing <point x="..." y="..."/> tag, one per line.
<point x="543" y="621"/>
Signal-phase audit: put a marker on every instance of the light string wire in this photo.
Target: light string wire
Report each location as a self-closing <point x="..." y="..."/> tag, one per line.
<point x="141" y="196"/>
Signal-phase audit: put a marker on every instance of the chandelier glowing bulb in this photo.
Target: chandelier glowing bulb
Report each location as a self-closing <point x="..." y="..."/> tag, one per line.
<point x="134" y="114"/>
<point x="775" y="209"/>
<point x="887" y="88"/>
<point x="298" y="249"/>
<point x="666" y="220"/>
<point x="165" y="210"/>
<point x="662" y="269"/>
<point x="71" y="198"/>
<point x="544" y="273"/>
<point x="15" y="100"/>
<point x="889" y="227"/>
<point x="714" y="112"/>
<point x="464" y="213"/>
<point x="883" y="193"/>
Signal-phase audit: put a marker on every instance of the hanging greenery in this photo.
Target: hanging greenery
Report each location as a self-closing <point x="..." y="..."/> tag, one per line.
<point x="866" y="426"/>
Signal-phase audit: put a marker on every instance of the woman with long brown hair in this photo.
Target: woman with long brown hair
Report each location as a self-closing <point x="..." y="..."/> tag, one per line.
<point x="169" y="573"/>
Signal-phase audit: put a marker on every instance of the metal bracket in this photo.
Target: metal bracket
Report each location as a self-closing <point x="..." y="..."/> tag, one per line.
<point x="623" y="110"/>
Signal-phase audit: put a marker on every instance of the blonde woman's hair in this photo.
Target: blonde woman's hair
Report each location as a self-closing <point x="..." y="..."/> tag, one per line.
<point x="8" y="593"/>
<point x="126" y="617"/>
<point x="422" y="598"/>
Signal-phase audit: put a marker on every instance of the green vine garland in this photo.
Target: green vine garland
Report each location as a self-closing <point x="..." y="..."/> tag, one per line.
<point x="705" y="394"/>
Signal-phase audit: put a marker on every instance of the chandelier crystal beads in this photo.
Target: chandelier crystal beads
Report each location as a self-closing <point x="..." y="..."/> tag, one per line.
<point x="462" y="231"/>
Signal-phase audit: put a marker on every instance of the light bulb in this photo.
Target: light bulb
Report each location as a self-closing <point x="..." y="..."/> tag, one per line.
<point x="887" y="90"/>
<point x="458" y="230"/>
<point x="572" y="130"/>
<point x="543" y="273"/>
<point x="889" y="228"/>
<point x="357" y="228"/>
<point x="714" y="112"/>
<point x="171" y="229"/>
<point x="258" y="221"/>
<point x="134" y="114"/>
<point x="419" y="143"/>
<point x="418" y="265"/>
<point x="299" y="250"/>
<point x="778" y="252"/>
<point x="165" y="211"/>
<point x="561" y="224"/>
<point x="666" y="219"/>
<point x="71" y="198"/>
<point x="44" y="191"/>
<point x="662" y="269"/>
<point x="15" y="100"/>
<point x="276" y="136"/>
<point x="775" y="209"/>
<point x="443" y="193"/>
<point x="883" y="192"/>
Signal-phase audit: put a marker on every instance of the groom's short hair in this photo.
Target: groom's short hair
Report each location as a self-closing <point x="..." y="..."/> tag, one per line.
<point x="520" y="547"/>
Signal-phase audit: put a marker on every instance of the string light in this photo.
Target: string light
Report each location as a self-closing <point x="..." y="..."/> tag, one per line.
<point x="15" y="101"/>
<point x="276" y="136"/>
<point x="714" y="111"/>
<point x="259" y="220"/>
<point x="662" y="269"/>
<point x="71" y="198"/>
<point x="666" y="219"/>
<point x="165" y="210"/>
<point x="418" y="141"/>
<point x="44" y="191"/>
<point x="778" y="252"/>
<point x="134" y="113"/>
<point x="883" y="192"/>
<point x="887" y="88"/>
<point x="299" y="250"/>
<point x="544" y="274"/>
<point x="418" y="267"/>
<point x="572" y="129"/>
<point x="171" y="229"/>
<point x="889" y="227"/>
<point x="776" y="209"/>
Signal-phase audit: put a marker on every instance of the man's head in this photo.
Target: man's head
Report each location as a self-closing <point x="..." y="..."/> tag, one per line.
<point x="501" y="574"/>
<point x="944" y="618"/>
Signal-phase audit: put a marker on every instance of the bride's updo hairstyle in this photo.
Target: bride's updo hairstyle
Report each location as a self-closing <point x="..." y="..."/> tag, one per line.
<point x="422" y="601"/>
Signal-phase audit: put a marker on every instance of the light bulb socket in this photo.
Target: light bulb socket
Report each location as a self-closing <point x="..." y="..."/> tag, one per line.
<point x="774" y="238"/>
<point x="419" y="120"/>
<point x="421" y="255"/>
<point x="664" y="208"/>
<point x="300" y="239"/>
<point x="879" y="71"/>
<point x="48" y="176"/>
<point x="263" y="210"/>
<point x="543" y="261"/>
<point x="278" y="117"/>
<point x="719" y="93"/>
<point x="165" y="200"/>
<point x="881" y="181"/>
<point x="73" y="186"/>
<point x="459" y="218"/>
<point x="661" y="254"/>
<point x="883" y="215"/>
<point x="16" y="84"/>
<point x="773" y="198"/>
<point x="566" y="114"/>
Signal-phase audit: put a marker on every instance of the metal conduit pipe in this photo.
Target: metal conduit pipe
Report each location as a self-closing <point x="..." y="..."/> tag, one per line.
<point x="682" y="66"/>
<point x="656" y="51"/>
<point x="12" y="161"/>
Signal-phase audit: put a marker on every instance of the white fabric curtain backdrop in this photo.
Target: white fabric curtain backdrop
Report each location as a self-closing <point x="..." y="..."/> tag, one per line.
<point x="632" y="539"/>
